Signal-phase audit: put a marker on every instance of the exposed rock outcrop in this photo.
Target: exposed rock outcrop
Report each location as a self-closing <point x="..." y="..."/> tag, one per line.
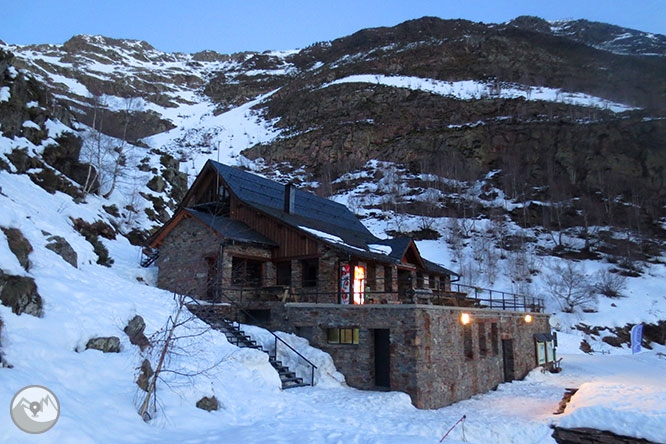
<point x="92" y="232"/>
<point x="145" y="373"/>
<point x="20" y="294"/>
<point x="208" y="403"/>
<point x="135" y="330"/>
<point x="107" y="344"/>
<point x="19" y="245"/>
<point x="61" y="247"/>
<point x="593" y="436"/>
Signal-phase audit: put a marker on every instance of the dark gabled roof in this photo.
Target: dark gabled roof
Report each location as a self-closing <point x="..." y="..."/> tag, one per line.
<point x="310" y="210"/>
<point x="231" y="229"/>
<point x="398" y="246"/>
<point x="436" y="268"/>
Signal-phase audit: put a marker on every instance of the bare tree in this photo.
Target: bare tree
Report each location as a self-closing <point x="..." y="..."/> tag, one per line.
<point x="107" y="157"/>
<point x="569" y="286"/>
<point x="454" y="237"/>
<point x="164" y="347"/>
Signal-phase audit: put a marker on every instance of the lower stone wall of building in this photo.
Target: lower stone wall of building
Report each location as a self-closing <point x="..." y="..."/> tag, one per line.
<point x="430" y="357"/>
<point x="451" y="368"/>
<point x="357" y="361"/>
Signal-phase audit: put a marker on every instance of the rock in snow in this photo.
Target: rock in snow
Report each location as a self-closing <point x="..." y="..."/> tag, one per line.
<point x="110" y="344"/>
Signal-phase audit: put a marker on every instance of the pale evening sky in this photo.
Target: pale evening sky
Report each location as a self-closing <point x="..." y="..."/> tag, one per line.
<point x="231" y="26"/>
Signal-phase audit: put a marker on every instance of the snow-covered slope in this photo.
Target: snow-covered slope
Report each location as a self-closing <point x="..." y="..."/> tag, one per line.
<point x="192" y="121"/>
<point x="475" y="90"/>
<point x="98" y="396"/>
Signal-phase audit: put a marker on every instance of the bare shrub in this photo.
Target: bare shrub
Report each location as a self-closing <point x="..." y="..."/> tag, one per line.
<point x="569" y="286"/>
<point x="610" y="284"/>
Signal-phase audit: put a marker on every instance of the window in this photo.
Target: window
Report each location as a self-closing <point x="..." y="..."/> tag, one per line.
<point x="541" y="353"/>
<point x="483" y="346"/>
<point x="283" y="273"/>
<point x="545" y="349"/>
<point x="419" y="280"/>
<point x="432" y="281"/>
<point x="359" y="285"/>
<point x="342" y="335"/>
<point x="246" y="272"/>
<point x="388" y="279"/>
<point x="444" y="284"/>
<point x="310" y="272"/>
<point x="494" y="338"/>
<point x="467" y="342"/>
<point x="371" y="282"/>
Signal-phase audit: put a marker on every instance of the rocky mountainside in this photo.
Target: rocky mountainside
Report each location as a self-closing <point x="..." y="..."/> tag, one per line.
<point x="570" y="112"/>
<point x="505" y="148"/>
<point x="615" y="39"/>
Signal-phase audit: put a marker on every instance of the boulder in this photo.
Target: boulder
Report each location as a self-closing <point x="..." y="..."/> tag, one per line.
<point x="156" y="184"/>
<point x="137" y="237"/>
<point x="613" y="340"/>
<point x="61" y="247"/>
<point x="143" y="381"/>
<point x="19" y="245"/>
<point x="134" y="329"/>
<point x="20" y="294"/>
<point x="110" y="344"/>
<point x="208" y="404"/>
<point x="585" y="346"/>
<point x="112" y="210"/>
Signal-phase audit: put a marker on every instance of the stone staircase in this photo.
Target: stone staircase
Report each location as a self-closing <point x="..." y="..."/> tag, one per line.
<point x="236" y="336"/>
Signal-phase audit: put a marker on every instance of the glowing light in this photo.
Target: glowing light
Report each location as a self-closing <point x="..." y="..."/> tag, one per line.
<point x="359" y="272"/>
<point x="465" y="318"/>
<point x="359" y="285"/>
<point x="528" y="318"/>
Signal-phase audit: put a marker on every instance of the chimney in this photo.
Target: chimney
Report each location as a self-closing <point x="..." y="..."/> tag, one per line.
<point x="289" y="198"/>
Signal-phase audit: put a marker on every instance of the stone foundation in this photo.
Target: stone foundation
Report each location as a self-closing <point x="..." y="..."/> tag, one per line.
<point x="427" y="353"/>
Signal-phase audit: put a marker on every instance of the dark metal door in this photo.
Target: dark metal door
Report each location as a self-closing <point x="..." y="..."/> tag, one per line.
<point x="383" y="358"/>
<point x="507" y="353"/>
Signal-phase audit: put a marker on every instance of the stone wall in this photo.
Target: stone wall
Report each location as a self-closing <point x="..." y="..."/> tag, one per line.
<point x="427" y="358"/>
<point x="183" y="265"/>
<point x="182" y="262"/>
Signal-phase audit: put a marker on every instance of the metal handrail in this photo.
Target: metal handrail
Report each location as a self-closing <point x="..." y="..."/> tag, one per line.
<point x="277" y="338"/>
<point x="505" y="301"/>
<point x="535" y="302"/>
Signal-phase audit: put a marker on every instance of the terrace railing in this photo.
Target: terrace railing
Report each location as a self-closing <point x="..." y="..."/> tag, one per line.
<point x="460" y="295"/>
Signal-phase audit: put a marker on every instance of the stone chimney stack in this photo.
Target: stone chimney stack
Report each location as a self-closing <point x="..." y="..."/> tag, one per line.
<point x="289" y="198"/>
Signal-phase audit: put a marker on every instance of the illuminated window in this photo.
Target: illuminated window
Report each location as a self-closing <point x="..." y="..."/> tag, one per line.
<point x="342" y="335"/>
<point x="359" y="285"/>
